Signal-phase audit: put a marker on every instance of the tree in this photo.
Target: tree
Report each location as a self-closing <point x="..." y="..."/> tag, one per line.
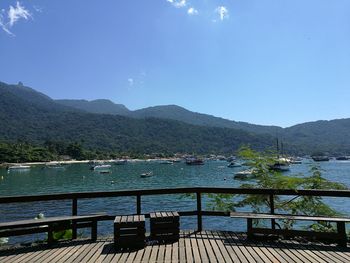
<point x="264" y="177"/>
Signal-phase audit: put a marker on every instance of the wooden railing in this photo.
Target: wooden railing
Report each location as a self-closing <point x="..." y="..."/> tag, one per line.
<point x="197" y="191"/>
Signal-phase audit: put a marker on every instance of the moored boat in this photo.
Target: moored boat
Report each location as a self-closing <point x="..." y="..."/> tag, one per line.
<point x="148" y="174"/>
<point x="342" y="158"/>
<point x="101" y="167"/>
<point x="320" y="158"/>
<point x="166" y="162"/>
<point x="194" y="161"/>
<point x="244" y="175"/>
<point x="18" y="167"/>
<point x="233" y="165"/>
<point x="280" y="167"/>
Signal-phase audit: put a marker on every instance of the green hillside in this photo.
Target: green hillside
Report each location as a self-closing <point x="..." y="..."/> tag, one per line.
<point x="37" y="123"/>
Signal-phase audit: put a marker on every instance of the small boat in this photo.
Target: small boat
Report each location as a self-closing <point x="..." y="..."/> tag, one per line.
<point x="104" y="171"/>
<point x="280" y="167"/>
<point x="166" y="162"/>
<point x="18" y="167"/>
<point x="101" y="167"/>
<point x="231" y="159"/>
<point x="243" y="175"/>
<point x="233" y="164"/>
<point x="148" y="174"/>
<point x="342" y="158"/>
<point x="194" y="161"/>
<point x="320" y="158"/>
<point x="54" y="165"/>
<point x="296" y="160"/>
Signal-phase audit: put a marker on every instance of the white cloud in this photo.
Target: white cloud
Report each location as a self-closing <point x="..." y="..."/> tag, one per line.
<point x="3" y="24"/>
<point x="131" y="82"/>
<point x="192" y="11"/>
<point x="16" y="13"/>
<point x="178" y="3"/>
<point x="222" y="11"/>
<point x="13" y="14"/>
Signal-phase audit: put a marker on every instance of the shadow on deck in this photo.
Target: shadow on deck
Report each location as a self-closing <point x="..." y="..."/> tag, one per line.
<point x="205" y="246"/>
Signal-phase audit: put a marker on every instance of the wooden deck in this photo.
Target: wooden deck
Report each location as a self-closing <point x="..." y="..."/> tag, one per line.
<point x="206" y="246"/>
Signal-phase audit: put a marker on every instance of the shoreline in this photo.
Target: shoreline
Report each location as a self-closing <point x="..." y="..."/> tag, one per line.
<point x="4" y="165"/>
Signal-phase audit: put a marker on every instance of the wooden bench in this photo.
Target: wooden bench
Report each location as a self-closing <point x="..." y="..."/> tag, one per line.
<point x="165" y="226"/>
<point x="340" y="236"/>
<point x="129" y="231"/>
<point x="49" y="225"/>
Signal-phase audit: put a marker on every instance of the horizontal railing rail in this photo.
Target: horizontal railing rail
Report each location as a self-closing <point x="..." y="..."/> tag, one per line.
<point x="193" y="190"/>
<point x="198" y="191"/>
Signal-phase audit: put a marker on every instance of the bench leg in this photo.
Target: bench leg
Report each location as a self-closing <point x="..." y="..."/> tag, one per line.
<point x="94" y="230"/>
<point x="249" y="227"/>
<point x="342" y="234"/>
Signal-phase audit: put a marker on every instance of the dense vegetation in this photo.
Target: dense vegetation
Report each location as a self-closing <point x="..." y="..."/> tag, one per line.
<point x="38" y="119"/>
<point x="322" y="136"/>
<point x="29" y="116"/>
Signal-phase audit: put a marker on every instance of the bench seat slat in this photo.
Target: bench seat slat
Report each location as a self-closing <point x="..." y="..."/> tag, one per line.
<point x="290" y="217"/>
<point x="49" y="220"/>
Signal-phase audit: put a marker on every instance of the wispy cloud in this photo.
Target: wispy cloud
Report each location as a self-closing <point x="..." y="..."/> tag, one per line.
<point x="38" y="8"/>
<point x="178" y="3"/>
<point x="14" y="14"/>
<point x="222" y="11"/>
<point x="192" y="11"/>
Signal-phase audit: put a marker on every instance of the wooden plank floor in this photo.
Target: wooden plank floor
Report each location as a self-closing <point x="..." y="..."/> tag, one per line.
<point x="206" y="246"/>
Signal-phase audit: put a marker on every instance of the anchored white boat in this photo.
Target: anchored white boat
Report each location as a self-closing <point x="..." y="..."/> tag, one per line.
<point x="148" y="174"/>
<point x="18" y="167"/>
<point x="101" y="167"/>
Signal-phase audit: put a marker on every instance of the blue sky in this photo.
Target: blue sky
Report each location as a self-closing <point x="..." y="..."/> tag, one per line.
<point x="261" y="61"/>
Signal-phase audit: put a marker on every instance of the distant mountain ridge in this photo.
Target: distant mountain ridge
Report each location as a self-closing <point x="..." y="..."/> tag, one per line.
<point x="172" y="112"/>
<point x="31" y="115"/>
<point x="101" y="106"/>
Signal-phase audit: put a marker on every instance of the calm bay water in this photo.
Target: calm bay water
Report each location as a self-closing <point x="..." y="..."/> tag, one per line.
<point x="78" y="178"/>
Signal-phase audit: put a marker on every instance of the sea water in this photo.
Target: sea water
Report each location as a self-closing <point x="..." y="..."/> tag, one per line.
<point x="79" y="178"/>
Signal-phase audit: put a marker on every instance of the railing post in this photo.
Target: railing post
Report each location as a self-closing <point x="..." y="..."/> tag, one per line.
<point x="272" y="210"/>
<point x="199" y="212"/>
<point x="74" y="213"/>
<point x="138" y="204"/>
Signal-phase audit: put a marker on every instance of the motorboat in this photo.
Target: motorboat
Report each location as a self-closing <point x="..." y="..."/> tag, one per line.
<point x="18" y="167"/>
<point x="280" y="167"/>
<point x="320" y="158"/>
<point x="233" y="165"/>
<point x="101" y="167"/>
<point x="194" y="161"/>
<point x="342" y="158"/>
<point x="54" y="165"/>
<point x="244" y="175"/>
<point x="166" y="162"/>
<point x="147" y="174"/>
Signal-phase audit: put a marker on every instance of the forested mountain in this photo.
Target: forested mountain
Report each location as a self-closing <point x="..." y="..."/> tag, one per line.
<point x="102" y="106"/>
<point x="36" y="123"/>
<point x="172" y="112"/>
<point x="28" y="115"/>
